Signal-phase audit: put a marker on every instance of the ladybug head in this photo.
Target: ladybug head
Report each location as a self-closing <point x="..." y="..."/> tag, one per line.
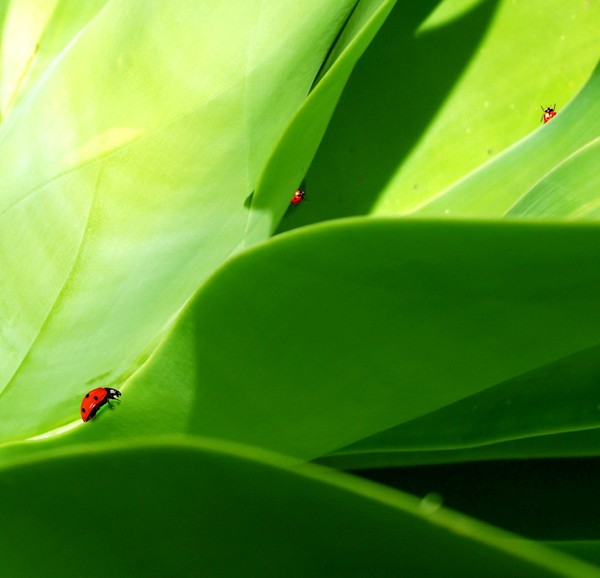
<point x="112" y="393"/>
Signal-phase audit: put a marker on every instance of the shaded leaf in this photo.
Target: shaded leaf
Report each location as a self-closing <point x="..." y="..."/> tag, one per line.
<point x="176" y="509"/>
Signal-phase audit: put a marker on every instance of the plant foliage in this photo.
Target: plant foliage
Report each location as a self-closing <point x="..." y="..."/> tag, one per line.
<point x="434" y="300"/>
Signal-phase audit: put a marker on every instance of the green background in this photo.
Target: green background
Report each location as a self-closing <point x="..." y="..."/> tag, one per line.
<point x="428" y="317"/>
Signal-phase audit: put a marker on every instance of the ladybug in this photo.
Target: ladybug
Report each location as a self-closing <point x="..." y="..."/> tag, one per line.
<point x="298" y="197"/>
<point x="95" y="399"/>
<point x="548" y="113"/>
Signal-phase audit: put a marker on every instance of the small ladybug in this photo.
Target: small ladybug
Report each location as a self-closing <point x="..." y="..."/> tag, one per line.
<point x="548" y="113"/>
<point x="95" y="399"/>
<point x="298" y="197"/>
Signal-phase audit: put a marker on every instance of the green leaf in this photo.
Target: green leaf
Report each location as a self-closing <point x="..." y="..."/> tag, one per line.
<point x="541" y="167"/>
<point x="445" y="87"/>
<point x="182" y="508"/>
<point x="541" y="52"/>
<point x="125" y="170"/>
<point x="297" y="147"/>
<point x="21" y="26"/>
<point x="584" y="549"/>
<point x="528" y="410"/>
<point x="362" y="455"/>
<point x="324" y="337"/>
<point x="34" y="33"/>
<point x="569" y="191"/>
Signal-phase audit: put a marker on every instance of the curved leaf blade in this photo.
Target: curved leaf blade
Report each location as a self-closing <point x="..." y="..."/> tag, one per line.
<point x="326" y="336"/>
<point x="125" y="183"/>
<point x="182" y="507"/>
<point x="489" y="192"/>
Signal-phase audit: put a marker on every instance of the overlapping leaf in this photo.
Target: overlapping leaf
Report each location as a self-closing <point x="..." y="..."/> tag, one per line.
<point x="125" y="172"/>
<point x="545" y="175"/>
<point x="208" y="507"/>
<point x="444" y="88"/>
<point x="327" y="336"/>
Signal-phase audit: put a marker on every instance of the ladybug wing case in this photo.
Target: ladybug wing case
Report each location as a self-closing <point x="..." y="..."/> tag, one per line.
<point x="92" y="402"/>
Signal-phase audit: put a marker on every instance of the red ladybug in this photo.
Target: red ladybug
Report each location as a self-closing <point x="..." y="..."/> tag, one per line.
<point x="548" y="113"/>
<point x="95" y="399"/>
<point x="298" y="197"/>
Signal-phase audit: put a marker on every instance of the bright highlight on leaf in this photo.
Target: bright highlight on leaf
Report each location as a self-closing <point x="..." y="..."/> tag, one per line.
<point x="124" y="170"/>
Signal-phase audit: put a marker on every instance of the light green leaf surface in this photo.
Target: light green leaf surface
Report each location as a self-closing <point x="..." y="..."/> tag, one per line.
<point x="22" y="26"/>
<point x="533" y="54"/>
<point x="445" y="87"/>
<point x="125" y="172"/>
<point x="180" y="509"/>
<point x="531" y="177"/>
<point x="569" y="191"/>
<point x="33" y="34"/>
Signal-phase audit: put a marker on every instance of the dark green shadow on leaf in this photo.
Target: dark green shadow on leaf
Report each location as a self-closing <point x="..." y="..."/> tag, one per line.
<point x="584" y="549"/>
<point x="209" y="508"/>
<point x="554" y="499"/>
<point x="391" y="97"/>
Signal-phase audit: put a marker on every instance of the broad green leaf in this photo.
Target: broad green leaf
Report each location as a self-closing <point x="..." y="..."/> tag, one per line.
<point x="533" y="54"/>
<point x="181" y="508"/>
<point x="329" y="335"/>
<point x="444" y="88"/>
<point x="569" y="191"/>
<point x="541" y="167"/>
<point x="125" y="170"/>
<point x="22" y="25"/>
<point x="296" y="149"/>
<point x="557" y="398"/>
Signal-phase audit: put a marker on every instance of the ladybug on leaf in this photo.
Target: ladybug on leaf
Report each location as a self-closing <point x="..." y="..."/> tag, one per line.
<point x="548" y="113"/>
<point x="298" y="197"/>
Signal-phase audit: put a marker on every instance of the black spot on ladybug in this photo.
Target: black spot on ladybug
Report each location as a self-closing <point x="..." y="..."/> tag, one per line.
<point x="87" y="395"/>
<point x="83" y="410"/>
<point x="96" y="397"/>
